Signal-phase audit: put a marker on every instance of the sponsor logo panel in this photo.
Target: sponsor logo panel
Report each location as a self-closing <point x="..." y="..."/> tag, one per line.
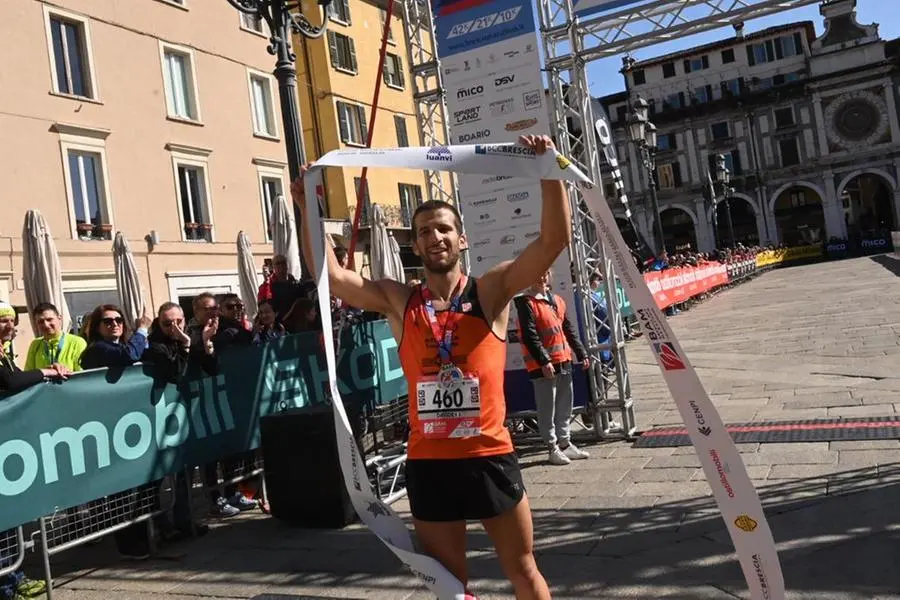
<point x="467" y="115"/>
<point x="532" y="100"/>
<point x="520" y="124"/>
<point x="474" y="136"/>
<point x="502" y="108"/>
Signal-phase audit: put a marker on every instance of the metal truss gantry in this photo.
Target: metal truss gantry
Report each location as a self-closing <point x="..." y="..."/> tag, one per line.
<point x="570" y="43"/>
<point x="572" y="123"/>
<point x="643" y="24"/>
<point x="428" y="89"/>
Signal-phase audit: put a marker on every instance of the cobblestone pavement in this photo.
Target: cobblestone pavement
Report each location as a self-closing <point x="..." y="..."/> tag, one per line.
<point x="812" y="341"/>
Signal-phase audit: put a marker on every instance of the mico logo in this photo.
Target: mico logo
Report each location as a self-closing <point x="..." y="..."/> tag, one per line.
<point x="470" y="92"/>
<point x="172" y="428"/>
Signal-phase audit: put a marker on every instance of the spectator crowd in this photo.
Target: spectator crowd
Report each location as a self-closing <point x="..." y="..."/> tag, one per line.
<point x="173" y="347"/>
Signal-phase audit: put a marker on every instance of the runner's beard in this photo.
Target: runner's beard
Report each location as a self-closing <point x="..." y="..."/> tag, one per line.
<point x="441" y="266"/>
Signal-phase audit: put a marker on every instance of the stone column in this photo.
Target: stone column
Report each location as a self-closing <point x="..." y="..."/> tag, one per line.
<point x="892" y="111"/>
<point x="820" y="124"/>
<point x="834" y="215"/>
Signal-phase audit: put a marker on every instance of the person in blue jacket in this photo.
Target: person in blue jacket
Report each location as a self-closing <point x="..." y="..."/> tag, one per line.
<point x="110" y="341"/>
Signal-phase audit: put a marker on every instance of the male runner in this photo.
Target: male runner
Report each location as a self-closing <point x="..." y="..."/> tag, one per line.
<point x="451" y="333"/>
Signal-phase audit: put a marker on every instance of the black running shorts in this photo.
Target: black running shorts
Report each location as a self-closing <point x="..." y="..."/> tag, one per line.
<point x="463" y="489"/>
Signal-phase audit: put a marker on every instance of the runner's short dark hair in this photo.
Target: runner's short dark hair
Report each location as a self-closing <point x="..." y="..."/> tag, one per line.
<point x="44" y="307"/>
<point x="433" y="205"/>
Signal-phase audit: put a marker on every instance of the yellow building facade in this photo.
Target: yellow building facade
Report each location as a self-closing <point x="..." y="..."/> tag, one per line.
<point x="336" y="77"/>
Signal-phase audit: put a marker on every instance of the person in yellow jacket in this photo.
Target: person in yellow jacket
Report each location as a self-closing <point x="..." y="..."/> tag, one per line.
<point x="54" y="347"/>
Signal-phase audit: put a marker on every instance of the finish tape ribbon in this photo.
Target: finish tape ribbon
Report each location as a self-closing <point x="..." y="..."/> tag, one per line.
<point x="722" y="464"/>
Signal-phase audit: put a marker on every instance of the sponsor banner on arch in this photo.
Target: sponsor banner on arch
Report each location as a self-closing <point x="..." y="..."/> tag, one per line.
<point x="491" y="72"/>
<point x="108" y="430"/>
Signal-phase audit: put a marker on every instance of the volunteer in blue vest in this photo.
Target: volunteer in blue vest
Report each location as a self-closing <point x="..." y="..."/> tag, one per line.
<point x="54" y="347"/>
<point x="548" y="341"/>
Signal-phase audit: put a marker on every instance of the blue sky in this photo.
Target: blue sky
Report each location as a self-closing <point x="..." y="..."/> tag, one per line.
<point x="604" y="76"/>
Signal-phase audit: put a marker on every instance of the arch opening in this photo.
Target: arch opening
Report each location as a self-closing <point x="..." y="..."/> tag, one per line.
<point x="679" y="230"/>
<point x="799" y="216"/>
<point x="867" y="201"/>
<point x="743" y="217"/>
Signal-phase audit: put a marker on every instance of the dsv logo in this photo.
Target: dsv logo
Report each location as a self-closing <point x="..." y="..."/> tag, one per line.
<point x="470" y="92"/>
<point x="505" y="80"/>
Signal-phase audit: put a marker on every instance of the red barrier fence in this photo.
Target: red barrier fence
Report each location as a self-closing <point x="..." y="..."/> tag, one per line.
<point x="674" y="286"/>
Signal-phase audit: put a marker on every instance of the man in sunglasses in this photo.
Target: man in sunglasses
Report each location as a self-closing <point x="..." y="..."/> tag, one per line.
<point x="231" y="332"/>
<point x="232" y="323"/>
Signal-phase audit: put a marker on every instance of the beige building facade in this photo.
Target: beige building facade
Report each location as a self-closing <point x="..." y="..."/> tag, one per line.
<point x="156" y="118"/>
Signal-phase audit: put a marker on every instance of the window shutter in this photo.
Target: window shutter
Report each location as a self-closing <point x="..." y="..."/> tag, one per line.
<point x="779" y="49"/>
<point x="709" y="96"/>
<point x="351" y="47"/>
<point x="705" y="61"/>
<point x="751" y="59"/>
<point x="687" y="66"/>
<point x="333" y="49"/>
<point x="363" y="125"/>
<point x="676" y="173"/>
<point x="736" y="162"/>
<point x="343" y="123"/>
<point x="400" y="77"/>
<point x="798" y="43"/>
<point x="346" y="6"/>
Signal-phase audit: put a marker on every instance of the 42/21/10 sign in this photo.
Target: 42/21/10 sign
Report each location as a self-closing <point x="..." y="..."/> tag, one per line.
<point x="494" y="19"/>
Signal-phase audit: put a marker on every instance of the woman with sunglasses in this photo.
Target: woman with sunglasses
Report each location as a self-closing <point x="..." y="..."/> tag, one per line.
<point x="110" y="341"/>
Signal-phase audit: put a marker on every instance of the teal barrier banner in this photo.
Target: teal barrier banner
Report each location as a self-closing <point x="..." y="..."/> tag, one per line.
<point x="622" y="299"/>
<point x="109" y="430"/>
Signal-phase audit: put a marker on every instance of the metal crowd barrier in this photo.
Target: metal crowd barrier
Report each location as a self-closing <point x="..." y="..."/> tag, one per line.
<point x="73" y="527"/>
<point x="12" y="550"/>
<point x="386" y="449"/>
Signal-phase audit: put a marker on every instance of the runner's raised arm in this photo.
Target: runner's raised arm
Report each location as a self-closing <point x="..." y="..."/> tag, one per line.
<point x="511" y="277"/>
<point x="384" y="296"/>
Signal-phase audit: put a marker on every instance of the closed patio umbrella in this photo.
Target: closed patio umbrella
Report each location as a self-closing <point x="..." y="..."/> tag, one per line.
<point x="385" y="252"/>
<point x="128" y="282"/>
<point x="247" y="275"/>
<point x="284" y="235"/>
<point x="42" y="274"/>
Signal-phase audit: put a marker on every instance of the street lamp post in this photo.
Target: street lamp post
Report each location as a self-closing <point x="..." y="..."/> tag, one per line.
<point x="284" y="19"/>
<point x="643" y="134"/>
<point x="723" y="177"/>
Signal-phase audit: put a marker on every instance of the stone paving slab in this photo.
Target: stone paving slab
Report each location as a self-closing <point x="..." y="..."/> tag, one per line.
<point x="637" y="523"/>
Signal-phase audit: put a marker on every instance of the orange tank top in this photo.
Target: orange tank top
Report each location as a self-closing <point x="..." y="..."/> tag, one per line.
<point x="477" y="352"/>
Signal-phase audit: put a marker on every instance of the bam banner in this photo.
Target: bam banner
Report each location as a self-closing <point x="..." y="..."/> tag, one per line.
<point x="108" y="430"/>
<point x="491" y="71"/>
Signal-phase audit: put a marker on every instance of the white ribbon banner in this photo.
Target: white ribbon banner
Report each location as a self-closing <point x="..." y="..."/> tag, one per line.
<point x="722" y="464"/>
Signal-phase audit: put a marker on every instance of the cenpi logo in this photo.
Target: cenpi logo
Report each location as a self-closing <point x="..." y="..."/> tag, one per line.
<point x="669" y="358"/>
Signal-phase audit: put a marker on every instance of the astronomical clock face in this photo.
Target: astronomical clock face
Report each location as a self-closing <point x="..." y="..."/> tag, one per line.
<point x="856" y="120"/>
